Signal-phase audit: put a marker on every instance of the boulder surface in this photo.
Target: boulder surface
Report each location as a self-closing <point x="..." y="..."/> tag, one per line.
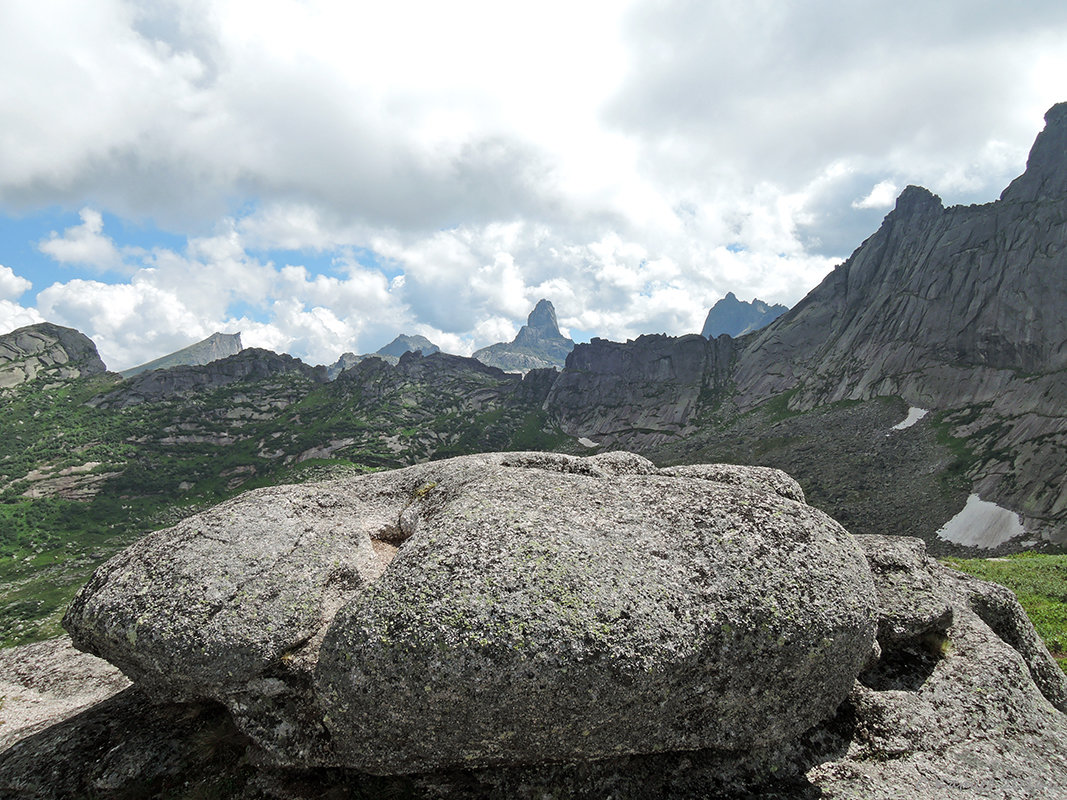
<point x="510" y="608"/>
<point x="956" y="699"/>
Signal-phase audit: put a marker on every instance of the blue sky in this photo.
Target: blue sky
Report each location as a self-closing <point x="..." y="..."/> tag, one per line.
<point x="322" y="176"/>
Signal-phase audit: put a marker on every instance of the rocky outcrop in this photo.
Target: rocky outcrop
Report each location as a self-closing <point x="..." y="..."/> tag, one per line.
<point x="538" y="344"/>
<point x="960" y="308"/>
<point x="737" y="317"/>
<point x="46" y="350"/>
<point x="163" y="384"/>
<point x="46" y="682"/>
<point x="639" y="393"/>
<point x="390" y="353"/>
<point x="214" y="347"/>
<point x="446" y="616"/>
<point x="444" y="632"/>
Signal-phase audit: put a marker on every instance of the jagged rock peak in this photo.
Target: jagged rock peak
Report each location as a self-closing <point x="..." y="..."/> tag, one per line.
<point x="917" y="201"/>
<point x="543" y="318"/>
<point x="46" y="349"/>
<point x="737" y="317"/>
<point x="541" y="326"/>
<point x="1046" y="167"/>
<point x="538" y="344"/>
<point x="408" y="344"/>
<point x="216" y="346"/>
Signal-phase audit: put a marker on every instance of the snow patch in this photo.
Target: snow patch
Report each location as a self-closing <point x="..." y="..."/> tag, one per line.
<point x="982" y="524"/>
<point x="914" y="415"/>
<point x="587" y="442"/>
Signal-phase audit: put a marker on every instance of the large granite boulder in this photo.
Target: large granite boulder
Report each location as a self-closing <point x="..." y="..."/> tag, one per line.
<point x="496" y="609"/>
<point x="959" y="699"/>
<point x="46" y="350"/>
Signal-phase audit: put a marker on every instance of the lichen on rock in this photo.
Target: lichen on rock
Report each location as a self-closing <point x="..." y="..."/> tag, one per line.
<point x="537" y="607"/>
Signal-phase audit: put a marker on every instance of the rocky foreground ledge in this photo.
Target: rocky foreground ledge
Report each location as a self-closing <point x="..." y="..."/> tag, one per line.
<point x="540" y="625"/>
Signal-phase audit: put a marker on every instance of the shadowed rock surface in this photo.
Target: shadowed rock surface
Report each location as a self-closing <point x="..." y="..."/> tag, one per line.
<point x="46" y="350"/>
<point x="640" y="393"/>
<point x="737" y="317"/>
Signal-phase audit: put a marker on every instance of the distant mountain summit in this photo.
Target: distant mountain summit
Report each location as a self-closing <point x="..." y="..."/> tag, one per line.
<point x="539" y="344"/>
<point x="390" y="353"/>
<point x="214" y="347"/>
<point x="48" y="350"/>
<point x="408" y="344"/>
<point x="736" y="317"/>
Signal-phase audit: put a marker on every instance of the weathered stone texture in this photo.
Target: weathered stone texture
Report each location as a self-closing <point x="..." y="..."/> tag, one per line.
<point x="538" y="607"/>
<point x="49" y="350"/>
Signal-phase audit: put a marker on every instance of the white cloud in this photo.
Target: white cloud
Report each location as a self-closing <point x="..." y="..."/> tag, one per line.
<point x="130" y="323"/>
<point x="84" y="244"/>
<point x="12" y="286"/>
<point x="14" y="316"/>
<point x="631" y="161"/>
<point x="883" y="195"/>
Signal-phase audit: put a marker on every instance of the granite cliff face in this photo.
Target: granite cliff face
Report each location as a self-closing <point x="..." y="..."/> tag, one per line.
<point x="46" y="350"/>
<point x="214" y="347"/>
<point x="640" y="393"/>
<point x="959" y="311"/>
<point x="538" y="344"/>
<point x="737" y="317"/>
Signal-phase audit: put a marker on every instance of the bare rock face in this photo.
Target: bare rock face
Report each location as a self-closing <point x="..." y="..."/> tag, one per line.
<point x="162" y="384"/>
<point x="214" y="347"/>
<point x="49" y="350"/>
<point x="538" y="344"/>
<point x="957" y="699"/>
<point x="641" y="392"/>
<point x="46" y="682"/>
<point x="498" y="609"/>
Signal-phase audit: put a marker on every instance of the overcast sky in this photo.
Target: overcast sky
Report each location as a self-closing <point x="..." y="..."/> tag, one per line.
<point x="322" y="176"/>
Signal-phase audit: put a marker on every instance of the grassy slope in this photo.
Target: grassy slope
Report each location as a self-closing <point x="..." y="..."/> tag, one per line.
<point x="1040" y="583"/>
<point x="164" y="465"/>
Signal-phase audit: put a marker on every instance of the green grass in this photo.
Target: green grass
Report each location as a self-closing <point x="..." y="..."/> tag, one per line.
<point x="1040" y="583"/>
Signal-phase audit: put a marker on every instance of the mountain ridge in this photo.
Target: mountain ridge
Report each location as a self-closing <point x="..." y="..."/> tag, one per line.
<point x="955" y="311"/>
<point x="390" y="353"/>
